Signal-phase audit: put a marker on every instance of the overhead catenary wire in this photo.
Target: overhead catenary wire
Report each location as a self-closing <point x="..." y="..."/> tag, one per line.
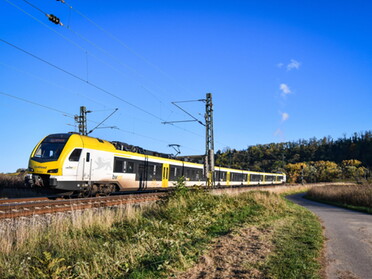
<point x="45" y="25"/>
<point x="72" y="116"/>
<point x="115" y="38"/>
<point x="89" y="83"/>
<point x="99" y="124"/>
<point x="117" y="60"/>
<point x="55" y="84"/>
<point x="35" y="7"/>
<point x="37" y="104"/>
<point x="84" y="50"/>
<point x="82" y="79"/>
<point x="91" y="43"/>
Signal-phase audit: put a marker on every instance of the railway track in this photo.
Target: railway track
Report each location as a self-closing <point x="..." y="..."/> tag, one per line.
<point x="39" y="206"/>
<point x="24" y="207"/>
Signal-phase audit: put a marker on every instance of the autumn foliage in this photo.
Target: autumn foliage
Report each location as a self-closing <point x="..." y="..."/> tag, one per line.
<point x="322" y="160"/>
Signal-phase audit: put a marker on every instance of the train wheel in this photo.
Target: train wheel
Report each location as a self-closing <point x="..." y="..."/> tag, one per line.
<point x="112" y="188"/>
<point x="88" y="192"/>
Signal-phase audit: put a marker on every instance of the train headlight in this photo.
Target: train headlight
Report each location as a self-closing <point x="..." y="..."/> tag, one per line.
<point x="30" y="170"/>
<point x="53" y="171"/>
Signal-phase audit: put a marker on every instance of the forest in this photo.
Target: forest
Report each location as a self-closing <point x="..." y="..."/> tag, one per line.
<point x="313" y="160"/>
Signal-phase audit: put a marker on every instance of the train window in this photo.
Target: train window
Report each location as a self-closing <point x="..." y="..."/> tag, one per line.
<point x="187" y="173"/>
<point x="50" y="148"/>
<point x="223" y="176"/>
<point x="75" y="155"/>
<point x="119" y="165"/>
<point x="130" y="167"/>
<point x="234" y="176"/>
<point x="171" y="173"/>
<point x="193" y="175"/>
<point x="88" y="157"/>
<point x="269" y="178"/>
<point x="150" y="171"/>
<point x="159" y="170"/>
<point x="174" y="173"/>
<point x="256" y="177"/>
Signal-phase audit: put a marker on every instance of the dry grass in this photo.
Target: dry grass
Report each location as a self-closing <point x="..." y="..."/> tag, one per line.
<point x="157" y="240"/>
<point x="17" y="233"/>
<point x="12" y="180"/>
<point x="354" y="195"/>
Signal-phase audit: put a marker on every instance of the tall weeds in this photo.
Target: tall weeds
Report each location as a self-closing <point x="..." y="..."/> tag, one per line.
<point x="355" y="195"/>
<point x="11" y="181"/>
<point x="130" y="242"/>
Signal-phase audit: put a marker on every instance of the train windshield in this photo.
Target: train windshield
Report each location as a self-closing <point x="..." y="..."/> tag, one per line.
<point x="50" y="148"/>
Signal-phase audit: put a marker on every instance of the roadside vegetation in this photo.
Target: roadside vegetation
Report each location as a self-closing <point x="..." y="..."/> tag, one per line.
<point x="160" y="240"/>
<point x="357" y="197"/>
<point x="13" y="180"/>
<point x="312" y="160"/>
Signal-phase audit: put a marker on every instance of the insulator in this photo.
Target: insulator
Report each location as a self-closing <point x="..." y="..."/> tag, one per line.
<point x="54" y="19"/>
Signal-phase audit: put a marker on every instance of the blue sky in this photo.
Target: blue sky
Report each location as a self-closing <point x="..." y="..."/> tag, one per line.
<point x="278" y="71"/>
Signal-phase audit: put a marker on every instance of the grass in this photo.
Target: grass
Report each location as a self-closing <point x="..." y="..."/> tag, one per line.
<point x="356" y="197"/>
<point x="298" y="241"/>
<point x="12" y="180"/>
<point x="158" y="241"/>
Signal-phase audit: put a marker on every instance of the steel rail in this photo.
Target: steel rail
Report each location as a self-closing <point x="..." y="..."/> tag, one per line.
<point x="49" y="207"/>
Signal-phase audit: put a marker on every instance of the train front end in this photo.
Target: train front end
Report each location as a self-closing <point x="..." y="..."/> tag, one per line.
<point x="46" y="161"/>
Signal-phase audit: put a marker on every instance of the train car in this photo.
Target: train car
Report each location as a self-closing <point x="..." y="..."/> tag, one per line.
<point x="74" y="163"/>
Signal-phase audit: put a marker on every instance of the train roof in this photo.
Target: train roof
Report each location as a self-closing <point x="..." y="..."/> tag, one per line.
<point x="114" y="146"/>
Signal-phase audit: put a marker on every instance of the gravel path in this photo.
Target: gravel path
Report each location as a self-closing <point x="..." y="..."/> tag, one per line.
<point x="349" y="239"/>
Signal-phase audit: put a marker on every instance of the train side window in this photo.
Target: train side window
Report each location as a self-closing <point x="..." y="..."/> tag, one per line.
<point x="130" y="167"/>
<point x="75" y="155"/>
<point x="88" y="157"/>
<point x="158" y="175"/>
<point x="119" y="165"/>
<point x="171" y="172"/>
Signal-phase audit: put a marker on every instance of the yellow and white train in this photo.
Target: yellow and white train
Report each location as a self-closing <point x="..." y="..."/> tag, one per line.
<point x="74" y="163"/>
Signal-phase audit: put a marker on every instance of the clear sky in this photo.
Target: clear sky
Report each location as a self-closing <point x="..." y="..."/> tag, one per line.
<point x="278" y="71"/>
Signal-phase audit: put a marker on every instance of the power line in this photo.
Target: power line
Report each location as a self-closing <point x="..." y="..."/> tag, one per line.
<point x="47" y="26"/>
<point x="37" y="104"/>
<point x="89" y="83"/>
<point x="99" y="124"/>
<point x="35" y="7"/>
<point x="122" y="43"/>
<point x="72" y="116"/>
<point x="77" y="77"/>
<point x="82" y="48"/>
<point x="54" y="84"/>
<point x="81" y="79"/>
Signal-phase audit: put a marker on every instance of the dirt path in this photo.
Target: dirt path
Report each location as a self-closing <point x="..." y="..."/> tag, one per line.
<point x="233" y="256"/>
<point x="349" y="239"/>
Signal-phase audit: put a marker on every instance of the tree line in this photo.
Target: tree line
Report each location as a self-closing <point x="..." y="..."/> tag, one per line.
<point x="312" y="160"/>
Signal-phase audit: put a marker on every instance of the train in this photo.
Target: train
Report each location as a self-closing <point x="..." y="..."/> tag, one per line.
<point x="70" y="162"/>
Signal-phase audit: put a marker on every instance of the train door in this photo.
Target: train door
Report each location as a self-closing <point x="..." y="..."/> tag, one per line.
<point x="228" y="178"/>
<point x="72" y="166"/>
<point x="143" y="172"/>
<point x="165" y="175"/>
<point x="87" y="167"/>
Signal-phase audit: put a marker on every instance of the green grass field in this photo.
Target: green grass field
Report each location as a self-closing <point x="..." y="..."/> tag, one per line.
<point x="160" y="240"/>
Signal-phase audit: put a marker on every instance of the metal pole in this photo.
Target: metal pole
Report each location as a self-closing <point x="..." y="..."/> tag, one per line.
<point x="81" y="120"/>
<point x="209" y="146"/>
